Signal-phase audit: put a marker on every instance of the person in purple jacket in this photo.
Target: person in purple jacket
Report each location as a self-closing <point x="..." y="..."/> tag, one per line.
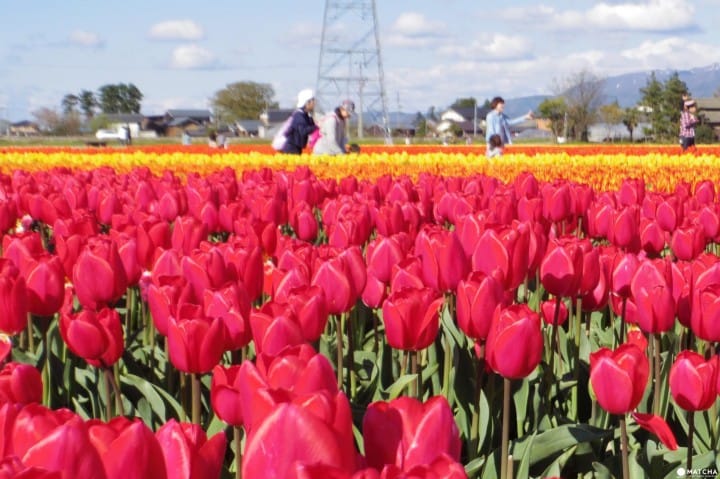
<point x="302" y="123"/>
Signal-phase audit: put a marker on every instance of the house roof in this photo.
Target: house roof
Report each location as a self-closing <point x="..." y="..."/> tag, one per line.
<point x="124" y="117"/>
<point x="278" y="116"/>
<point x="711" y="116"/>
<point x="248" y="125"/>
<point x="708" y="103"/>
<point x="27" y="123"/>
<point x="182" y="121"/>
<point x="468" y="114"/>
<point x="178" y="113"/>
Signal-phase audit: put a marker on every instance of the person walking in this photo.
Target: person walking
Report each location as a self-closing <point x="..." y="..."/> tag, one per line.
<point x="333" y="139"/>
<point x="301" y="124"/>
<point x="688" y="122"/>
<point x="498" y="123"/>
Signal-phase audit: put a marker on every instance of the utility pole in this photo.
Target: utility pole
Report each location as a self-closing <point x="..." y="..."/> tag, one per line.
<point x="350" y="63"/>
<point x="475" y="119"/>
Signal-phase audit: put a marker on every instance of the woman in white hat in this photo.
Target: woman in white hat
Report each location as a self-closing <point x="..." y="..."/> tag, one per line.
<point x="302" y="123"/>
<point x="333" y="139"/>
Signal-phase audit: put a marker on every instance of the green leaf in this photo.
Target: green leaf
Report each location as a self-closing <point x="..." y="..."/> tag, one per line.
<point x="551" y="442"/>
<point x="160" y="401"/>
<point x="397" y="388"/>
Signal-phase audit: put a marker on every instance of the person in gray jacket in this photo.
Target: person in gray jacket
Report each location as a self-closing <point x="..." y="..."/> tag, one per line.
<point x="333" y="138"/>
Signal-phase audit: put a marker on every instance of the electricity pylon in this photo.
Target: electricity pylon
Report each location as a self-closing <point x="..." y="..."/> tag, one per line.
<point x="350" y="64"/>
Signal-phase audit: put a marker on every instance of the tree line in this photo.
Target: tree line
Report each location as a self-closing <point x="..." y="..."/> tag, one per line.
<point x="578" y="104"/>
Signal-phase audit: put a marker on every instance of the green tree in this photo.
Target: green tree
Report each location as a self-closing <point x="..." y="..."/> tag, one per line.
<point x="583" y="94"/>
<point x="631" y="119"/>
<point x="662" y="101"/>
<point x="554" y="110"/>
<point x="420" y="125"/>
<point x="610" y="114"/>
<point x="469" y="102"/>
<point x="120" y="98"/>
<point x="88" y="103"/>
<point x="70" y="103"/>
<point x="242" y="100"/>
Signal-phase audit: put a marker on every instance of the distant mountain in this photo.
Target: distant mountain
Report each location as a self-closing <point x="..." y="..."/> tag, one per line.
<point x="702" y="82"/>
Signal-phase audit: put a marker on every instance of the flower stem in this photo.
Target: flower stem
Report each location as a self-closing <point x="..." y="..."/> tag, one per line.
<point x="624" y="448"/>
<point x="195" y="398"/>
<point x="237" y="437"/>
<point x="656" y="389"/>
<point x="108" y="401"/>
<point x="505" y="430"/>
<point x="339" y="344"/>
<point x="691" y="433"/>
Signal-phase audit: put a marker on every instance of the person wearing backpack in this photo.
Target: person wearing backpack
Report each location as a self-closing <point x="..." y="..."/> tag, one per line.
<point x="333" y="138"/>
<point x="301" y="124"/>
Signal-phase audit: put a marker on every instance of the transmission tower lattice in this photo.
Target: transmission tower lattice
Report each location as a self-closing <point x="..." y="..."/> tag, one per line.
<point x="350" y="64"/>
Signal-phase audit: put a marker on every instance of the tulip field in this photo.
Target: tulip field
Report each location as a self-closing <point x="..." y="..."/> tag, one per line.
<point x="414" y="312"/>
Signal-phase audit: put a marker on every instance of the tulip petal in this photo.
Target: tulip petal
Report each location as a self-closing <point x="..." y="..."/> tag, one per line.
<point x="658" y="426"/>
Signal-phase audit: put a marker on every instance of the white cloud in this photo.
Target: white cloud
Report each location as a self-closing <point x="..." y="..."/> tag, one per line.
<point x="673" y="52"/>
<point x="303" y="35"/>
<point x="176" y="30"/>
<point x="85" y="39"/>
<point x="490" y="47"/>
<point x="160" y="105"/>
<point x="413" y="29"/>
<point x="650" y="15"/>
<point x="193" y="57"/>
<point x="416" y="24"/>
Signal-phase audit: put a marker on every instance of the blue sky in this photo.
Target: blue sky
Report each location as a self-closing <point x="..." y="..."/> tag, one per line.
<point x="180" y="52"/>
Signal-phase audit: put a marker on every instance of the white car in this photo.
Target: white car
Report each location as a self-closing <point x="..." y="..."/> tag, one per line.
<point x="110" y="134"/>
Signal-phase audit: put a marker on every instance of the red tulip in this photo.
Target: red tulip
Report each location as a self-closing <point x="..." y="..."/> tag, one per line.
<point x="411" y="318"/>
<point x="705" y="192"/>
<point x="303" y="222"/>
<point x="195" y="343"/>
<point x="623" y="270"/>
<point x="272" y="331"/>
<point x="506" y="250"/>
<point x="274" y="448"/>
<point x="653" y="297"/>
<point x="12" y="468"/>
<point x="382" y="253"/>
<point x="406" y="274"/>
<point x="693" y="381"/>
<point x="619" y="377"/>
<point x="516" y="324"/>
<point x="188" y="453"/>
<point x="45" y="282"/>
<point x="557" y="202"/>
<point x="99" y="275"/>
<point x="5" y="348"/>
<point x="230" y="305"/>
<point x="97" y="337"/>
<point x="333" y="277"/>
<point x="68" y="450"/>
<point x="309" y="306"/>
<point x="561" y="271"/>
<point x="625" y="228"/>
<point x="687" y="243"/>
<point x="396" y="433"/>
<point x="13" y="303"/>
<point x="652" y="237"/>
<point x="442" y="258"/>
<point x="187" y="234"/>
<point x="443" y="467"/>
<point x="547" y="310"/>
<point x="477" y="298"/>
<point x="225" y="396"/>
<point x="152" y="235"/>
<point x="20" y="383"/>
<point x="127" y="448"/>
